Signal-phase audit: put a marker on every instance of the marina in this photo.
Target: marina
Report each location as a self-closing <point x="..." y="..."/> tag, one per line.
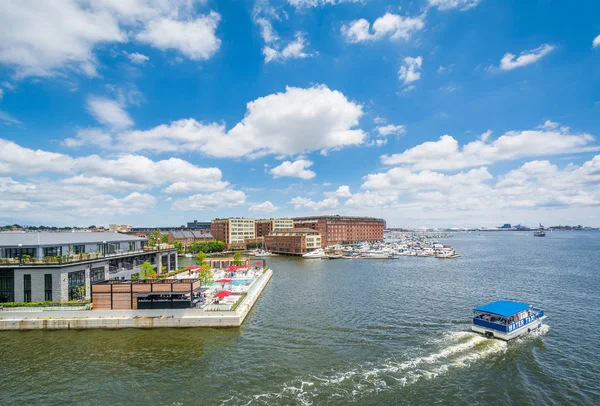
<point x="395" y="246"/>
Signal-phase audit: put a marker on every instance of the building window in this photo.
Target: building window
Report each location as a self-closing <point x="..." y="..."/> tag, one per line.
<point x="52" y="251"/>
<point x="15" y="252"/>
<point x="76" y="280"/>
<point x="78" y="249"/>
<point x="48" y="287"/>
<point x="131" y="246"/>
<point x="7" y="286"/>
<point x="27" y="288"/>
<point x="97" y="275"/>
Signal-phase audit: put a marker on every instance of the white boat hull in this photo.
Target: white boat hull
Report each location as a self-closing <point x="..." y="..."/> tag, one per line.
<point x="526" y="329"/>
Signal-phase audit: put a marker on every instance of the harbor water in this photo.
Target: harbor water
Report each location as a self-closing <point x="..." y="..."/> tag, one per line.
<point x="365" y="332"/>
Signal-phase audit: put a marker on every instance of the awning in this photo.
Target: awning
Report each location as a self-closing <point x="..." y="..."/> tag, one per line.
<point x="504" y="308"/>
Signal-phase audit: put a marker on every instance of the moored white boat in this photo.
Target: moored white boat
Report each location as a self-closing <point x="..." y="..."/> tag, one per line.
<point x="316" y="254"/>
<point x="262" y="253"/>
<point x="505" y="319"/>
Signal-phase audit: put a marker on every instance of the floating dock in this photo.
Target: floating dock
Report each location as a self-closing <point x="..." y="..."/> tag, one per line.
<point x="37" y="319"/>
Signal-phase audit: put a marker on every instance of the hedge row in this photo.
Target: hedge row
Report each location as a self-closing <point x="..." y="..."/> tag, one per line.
<point x="42" y="304"/>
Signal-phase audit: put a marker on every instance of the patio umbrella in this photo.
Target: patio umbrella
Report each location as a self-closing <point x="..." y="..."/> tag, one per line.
<point x="258" y="263"/>
<point x="223" y="280"/>
<point x="221" y="294"/>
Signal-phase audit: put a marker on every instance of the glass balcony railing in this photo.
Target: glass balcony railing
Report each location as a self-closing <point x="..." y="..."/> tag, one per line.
<point x="89" y="256"/>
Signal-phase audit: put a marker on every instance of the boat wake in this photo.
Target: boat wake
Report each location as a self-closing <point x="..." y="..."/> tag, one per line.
<point x="454" y="350"/>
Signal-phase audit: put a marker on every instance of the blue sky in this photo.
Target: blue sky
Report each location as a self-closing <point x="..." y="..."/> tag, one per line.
<point x="428" y="113"/>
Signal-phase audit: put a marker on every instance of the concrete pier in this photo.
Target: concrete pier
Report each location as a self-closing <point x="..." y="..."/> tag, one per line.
<point x="85" y="319"/>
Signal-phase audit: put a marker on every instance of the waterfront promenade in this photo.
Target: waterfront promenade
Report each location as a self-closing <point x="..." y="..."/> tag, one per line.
<point x="36" y="319"/>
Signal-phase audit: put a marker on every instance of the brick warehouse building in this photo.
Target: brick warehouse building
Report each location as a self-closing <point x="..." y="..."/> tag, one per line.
<point x="293" y="241"/>
<point x="343" y="229"/>
<point x="233" y="231"/>
<point x="264" y="227"/>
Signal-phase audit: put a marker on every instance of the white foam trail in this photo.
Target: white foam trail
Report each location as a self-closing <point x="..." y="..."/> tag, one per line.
<point x="471" y="347"/>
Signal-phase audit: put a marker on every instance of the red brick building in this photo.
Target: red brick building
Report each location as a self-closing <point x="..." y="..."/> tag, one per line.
<point x="188" y="237"/>
<point x="265" y="227"/>
<point x="293" y="241"/>
<point x="343" y="229"/>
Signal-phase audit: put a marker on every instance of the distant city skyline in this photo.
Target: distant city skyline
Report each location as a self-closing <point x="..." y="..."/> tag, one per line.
<point x="439" y="113"/>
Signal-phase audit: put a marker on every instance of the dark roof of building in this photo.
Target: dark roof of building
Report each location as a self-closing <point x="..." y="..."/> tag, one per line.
<point x="337" y="217"/>
<point x="13" y="239"/>
<point x="190" y="234"/>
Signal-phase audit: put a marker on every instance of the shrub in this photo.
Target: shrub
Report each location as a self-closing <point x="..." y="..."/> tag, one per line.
<point x="235" y="306"/>
<point x="41" y="304"/>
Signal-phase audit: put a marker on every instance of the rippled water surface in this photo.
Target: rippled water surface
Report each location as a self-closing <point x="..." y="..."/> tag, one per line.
<point x="349" y="332"/>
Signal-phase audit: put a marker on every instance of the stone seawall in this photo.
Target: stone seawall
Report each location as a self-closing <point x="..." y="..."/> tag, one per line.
<point x="86" y="319"/>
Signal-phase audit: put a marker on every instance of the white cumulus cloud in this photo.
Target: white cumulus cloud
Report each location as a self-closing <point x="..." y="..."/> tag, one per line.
<point x="411" y="70"/>
<point x="293" y="50"/>
<point x="46" y="38"/>
<point x="391" y="129"/>
<point x="390" y="25"/>
<point x="138" y="58"/>
<point x="446" y="154"/>
<point x="510" y="61"/>
<point x="196" y="39"/>
<point x="212" y="201"/>
<point x="452" y="4"/>
<point x="306" y="203"/>
<point x="287" y="123"/>
<point x="296" y="169"/>
<point x="596" y="42"/>
<point x="264" y="207"/>
<point x="109" y="112"/>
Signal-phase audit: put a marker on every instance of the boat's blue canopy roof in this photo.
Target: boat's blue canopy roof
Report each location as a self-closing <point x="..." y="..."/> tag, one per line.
<point x="503" y="308"/>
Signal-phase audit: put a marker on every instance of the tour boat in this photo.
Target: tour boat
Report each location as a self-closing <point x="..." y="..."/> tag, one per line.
<point x="316" y="254"/>
<point x="505" y="319"/>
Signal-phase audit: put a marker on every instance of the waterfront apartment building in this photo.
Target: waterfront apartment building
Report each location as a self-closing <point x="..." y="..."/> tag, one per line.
<point x="264" y="227"/>
<point x="57" y="267"/>
<point x="343" y="229"/>
<point x="293" y="241"/>
<point x="233" y="231"/>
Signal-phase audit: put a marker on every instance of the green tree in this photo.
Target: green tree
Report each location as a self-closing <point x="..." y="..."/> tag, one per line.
<point x="80" y="292"/>
<point x="164" y="238"/>
<point x="179" y="247"/>
<point x="205" y="275"/>
<point x="200" y="258"/>
<point x="237" y="259"/>
<point x="155" y="237"/>
<point x="147" y="270"/>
